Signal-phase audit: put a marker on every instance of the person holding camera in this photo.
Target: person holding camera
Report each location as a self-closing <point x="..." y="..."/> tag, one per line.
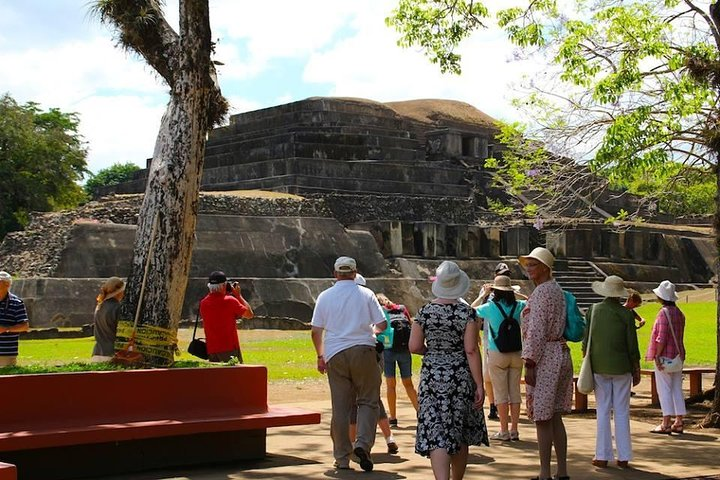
<point x="220" y="309"/>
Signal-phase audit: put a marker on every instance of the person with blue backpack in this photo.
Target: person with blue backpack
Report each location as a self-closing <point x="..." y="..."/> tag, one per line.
<point x="501" y="317"/>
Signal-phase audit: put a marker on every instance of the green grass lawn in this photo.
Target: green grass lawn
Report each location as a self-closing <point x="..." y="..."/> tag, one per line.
<point x="293" y="358"/>
<point x="700" y="334"/>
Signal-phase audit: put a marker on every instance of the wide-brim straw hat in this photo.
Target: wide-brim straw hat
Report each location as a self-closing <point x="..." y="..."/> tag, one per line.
<point x="113" y="286"/>
<point x="502" y="282"/>
<point x="613" y="287"/>
<point x="540" y="254"/>
<point x="666" y="291"/>
<point x="450" y="281"/>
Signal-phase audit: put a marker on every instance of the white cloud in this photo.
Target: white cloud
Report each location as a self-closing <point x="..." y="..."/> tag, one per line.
<point x="344" y="43"/>
<point x="119" y="129"/>
<point x="371" y="65"/>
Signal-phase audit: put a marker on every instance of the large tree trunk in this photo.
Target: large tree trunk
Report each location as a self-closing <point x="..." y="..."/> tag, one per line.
<point x="712" y="419"/>
<point x="171" y="196"/>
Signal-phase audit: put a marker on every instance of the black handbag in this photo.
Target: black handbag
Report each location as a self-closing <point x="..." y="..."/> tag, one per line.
<point x="197" y="346"/>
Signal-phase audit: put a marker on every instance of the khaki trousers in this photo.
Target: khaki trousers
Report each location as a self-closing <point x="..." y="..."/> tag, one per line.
<point x="353" y="374"/>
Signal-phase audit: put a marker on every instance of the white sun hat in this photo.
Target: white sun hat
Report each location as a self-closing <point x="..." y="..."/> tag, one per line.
<point x="450" y="281"/>
<point x="540" y="254"/>
<point x="666" y="291"/>
<point x="613" y="287"/>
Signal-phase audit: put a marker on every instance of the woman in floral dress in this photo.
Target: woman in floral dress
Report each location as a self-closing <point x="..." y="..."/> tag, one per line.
<point x="450" y="395"/>
<point x="548" y="366"/>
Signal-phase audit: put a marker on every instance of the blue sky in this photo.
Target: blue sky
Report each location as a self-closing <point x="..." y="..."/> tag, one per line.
<point x="276" y="51"/>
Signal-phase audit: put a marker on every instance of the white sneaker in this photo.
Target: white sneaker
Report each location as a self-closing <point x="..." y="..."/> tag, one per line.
<point x="503" y="436"/>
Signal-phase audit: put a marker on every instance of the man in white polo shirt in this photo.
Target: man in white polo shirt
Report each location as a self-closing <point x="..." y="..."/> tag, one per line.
<point x="342" y="333"/>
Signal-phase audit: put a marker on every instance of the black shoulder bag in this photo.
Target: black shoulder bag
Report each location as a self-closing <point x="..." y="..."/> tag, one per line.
<point x="197" y="346"/>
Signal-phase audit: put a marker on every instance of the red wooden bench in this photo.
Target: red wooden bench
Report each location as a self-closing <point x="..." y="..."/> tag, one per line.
<point x="68" y="425"/>
<point x="694" y="373"/>
<point x="8" y="471"/>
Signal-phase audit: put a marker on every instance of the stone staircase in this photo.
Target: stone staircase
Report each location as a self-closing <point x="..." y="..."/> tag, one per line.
<point x="577" y="279"/>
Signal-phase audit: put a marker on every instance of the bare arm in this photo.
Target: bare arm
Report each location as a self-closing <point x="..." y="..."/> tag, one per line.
<point x="473" y="356"/>
<point x="484" y="292"/>
<point x="248" y="309"/>
<point x="316" y="334"/>
<point x="416" y="344"/>
<point x="17" y="328"/>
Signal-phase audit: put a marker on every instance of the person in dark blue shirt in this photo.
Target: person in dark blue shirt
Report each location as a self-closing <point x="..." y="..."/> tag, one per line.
<point x="13" y="320"/>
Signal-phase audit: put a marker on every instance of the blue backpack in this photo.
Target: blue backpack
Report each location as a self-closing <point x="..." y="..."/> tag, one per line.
<point x="575" y="321"/>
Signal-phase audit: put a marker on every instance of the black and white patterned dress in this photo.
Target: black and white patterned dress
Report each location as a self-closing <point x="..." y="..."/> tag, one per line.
<point x="446" y="417"/>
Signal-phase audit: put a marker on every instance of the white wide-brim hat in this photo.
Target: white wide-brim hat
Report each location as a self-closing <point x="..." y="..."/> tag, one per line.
<point x="502" y="282"/>
<point x="540" y="254"/>
<point x="666" y="291"/>
<point x="613" y="286"/>
<point x="360" y="280"/>
<point x="450" y="281"/>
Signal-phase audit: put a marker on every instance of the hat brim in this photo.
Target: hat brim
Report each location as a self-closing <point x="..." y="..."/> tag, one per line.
<point x="602" y="289"/>
<point x="523" y="260"/>
<point x="511" y="288"/>
<point x="452" y="293"/>
<point x="661" y="295"/>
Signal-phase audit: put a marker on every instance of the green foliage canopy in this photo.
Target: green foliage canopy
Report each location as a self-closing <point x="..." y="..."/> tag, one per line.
<point x="114" y="174"/>
<point x="634" y="92"/>
<point x="42" y="159"/>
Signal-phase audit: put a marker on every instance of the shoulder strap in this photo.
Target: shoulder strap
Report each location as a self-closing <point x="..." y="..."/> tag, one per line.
<point x="588" y="315"/>
<point x="505" y="316"/>
<point x="672" y="330"/>
<point x="197" y="319"/>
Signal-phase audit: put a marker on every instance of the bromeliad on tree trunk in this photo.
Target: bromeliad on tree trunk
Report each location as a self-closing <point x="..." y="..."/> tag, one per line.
<point x="196" y="104"/>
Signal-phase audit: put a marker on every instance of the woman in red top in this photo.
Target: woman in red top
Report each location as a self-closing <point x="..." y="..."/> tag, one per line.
<point x="666" y="342"/>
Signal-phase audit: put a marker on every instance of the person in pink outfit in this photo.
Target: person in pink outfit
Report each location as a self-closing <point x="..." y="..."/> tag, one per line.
<point x="666" y="342"/>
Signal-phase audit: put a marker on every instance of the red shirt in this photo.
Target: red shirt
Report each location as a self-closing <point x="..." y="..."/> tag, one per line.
<point x="219" y="312"/>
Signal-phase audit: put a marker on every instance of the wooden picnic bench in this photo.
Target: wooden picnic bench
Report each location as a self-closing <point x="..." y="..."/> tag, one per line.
<point x="68" y="425"/>
<point x="694" y="373"/>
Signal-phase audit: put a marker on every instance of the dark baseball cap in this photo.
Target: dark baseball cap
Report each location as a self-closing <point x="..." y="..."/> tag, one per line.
<point x="217" y="278"/>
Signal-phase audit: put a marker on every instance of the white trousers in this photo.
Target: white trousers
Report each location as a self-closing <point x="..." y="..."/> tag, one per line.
<point x="612" y="397"/>
<point x="670" y="392"/>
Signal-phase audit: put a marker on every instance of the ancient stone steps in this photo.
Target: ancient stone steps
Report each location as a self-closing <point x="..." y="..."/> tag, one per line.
<point x="222" y="135"/>
<point x="310" y="136"/>
<point x="260" y="151"/>
<point x="577" y="279"/>
<point x="315" y="119"/>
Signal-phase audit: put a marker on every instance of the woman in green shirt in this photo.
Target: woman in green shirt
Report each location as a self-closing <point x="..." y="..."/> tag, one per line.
<point x="615" y="359"/>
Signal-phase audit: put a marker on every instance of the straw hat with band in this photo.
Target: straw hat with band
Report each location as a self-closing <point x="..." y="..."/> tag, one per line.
<point x="502" y="282"/>
<point x="450" y="281"/>
<point x="612" y="287"/>
<point x="666" y="291"/>
<point x="540" y="254"/>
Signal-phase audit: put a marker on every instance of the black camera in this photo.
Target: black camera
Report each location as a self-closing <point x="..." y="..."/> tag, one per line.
<point x="229" y="286"/>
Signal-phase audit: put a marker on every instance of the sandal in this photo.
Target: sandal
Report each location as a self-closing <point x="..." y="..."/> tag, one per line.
<point x="662" y="430"/>
<point x="677" y="429"/>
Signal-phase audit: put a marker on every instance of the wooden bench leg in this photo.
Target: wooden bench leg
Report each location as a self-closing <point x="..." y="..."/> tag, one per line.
<point x="695" y="383"/>
<point x="581" y="400"/>
<point x="655" y="400"/>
